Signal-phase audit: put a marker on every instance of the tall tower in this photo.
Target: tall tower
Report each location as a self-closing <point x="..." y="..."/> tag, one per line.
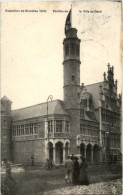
<point x="71" y="88"/>
<point x="6" y="122"/>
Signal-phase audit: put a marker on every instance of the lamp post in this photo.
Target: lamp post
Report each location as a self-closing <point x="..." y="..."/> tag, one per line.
<point x="50" y="97"/>
<point x="106" y="133"/>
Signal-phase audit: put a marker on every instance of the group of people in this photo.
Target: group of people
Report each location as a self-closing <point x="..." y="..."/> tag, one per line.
<point x="76" y="171"/>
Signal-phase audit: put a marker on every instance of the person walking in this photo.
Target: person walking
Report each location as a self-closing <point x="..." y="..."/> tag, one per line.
<point x="83" y="176"/>
<point x="76" y="171"/>
<point x="69" y="170"/>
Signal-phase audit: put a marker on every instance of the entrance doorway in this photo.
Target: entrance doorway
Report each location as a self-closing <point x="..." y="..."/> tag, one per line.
<point x="59" y="153"/>
<point x="82" y="150"/>
<point x="96" y="153"/>
<point x="88" y="153"/>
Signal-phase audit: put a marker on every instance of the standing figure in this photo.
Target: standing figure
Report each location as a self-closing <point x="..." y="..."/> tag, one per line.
<point x="8" y="169"/>
<point x="76" y="171"/>
<point x="69" y="170"/>
<point x="83" y="176"/>
<point x="32" y="158"/>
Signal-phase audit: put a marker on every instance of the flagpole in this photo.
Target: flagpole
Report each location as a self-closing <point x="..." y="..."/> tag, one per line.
<point x="71" y="15"/>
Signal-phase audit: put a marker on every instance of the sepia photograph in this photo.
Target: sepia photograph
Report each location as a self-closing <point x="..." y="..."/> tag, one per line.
<point x="61" y="97"/>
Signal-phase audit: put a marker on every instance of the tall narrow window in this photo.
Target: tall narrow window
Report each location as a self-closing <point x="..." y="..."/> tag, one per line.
<point x="73" y="77"/>
<point x="72" y="49"/>
<point x="67" y="50"/>
<point x="77" y="50"/>
<point x="50" y="126"/>
<point x="67" y="126"/>
<point x="35" y="128"/>
<point x="58" y="126"/>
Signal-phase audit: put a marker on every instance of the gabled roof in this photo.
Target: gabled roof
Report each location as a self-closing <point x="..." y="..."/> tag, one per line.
<point x="54" y="107"/>
<point x="93" y="89"/>
<point x="5" y="99"/>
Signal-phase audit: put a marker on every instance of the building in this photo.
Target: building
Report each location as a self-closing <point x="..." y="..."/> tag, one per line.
<point x="100" y="119"/>
<point x="86" y="122"/>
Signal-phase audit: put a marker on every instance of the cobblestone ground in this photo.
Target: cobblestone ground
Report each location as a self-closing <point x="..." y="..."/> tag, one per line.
<point x="107" y="188"/>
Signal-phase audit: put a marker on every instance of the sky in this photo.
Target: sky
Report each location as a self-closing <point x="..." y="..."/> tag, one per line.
<point x="32" y="47"/>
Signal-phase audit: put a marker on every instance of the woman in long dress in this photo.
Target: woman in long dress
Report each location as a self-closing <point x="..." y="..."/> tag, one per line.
<point x="83" y="177"/>
<point x="76" y="171"/>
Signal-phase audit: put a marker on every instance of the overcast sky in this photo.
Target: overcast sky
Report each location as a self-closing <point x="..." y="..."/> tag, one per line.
<point x="32" y="47"/>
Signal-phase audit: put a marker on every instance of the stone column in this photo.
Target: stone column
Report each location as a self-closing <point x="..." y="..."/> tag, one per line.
<point x="92" y="155"/>
<point x="85" y="151"/>
<point x="47" y="151"/>
<point x="53" y="128"/>
<point x="100" y="128"/>
<point x="63" y="154"/>
<point x="54" y="155"/>
<point x="100" y="154"/>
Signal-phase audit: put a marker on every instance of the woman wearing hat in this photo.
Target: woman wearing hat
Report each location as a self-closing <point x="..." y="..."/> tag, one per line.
<point x="83" y="177"/>
<point x="76" y="171"/>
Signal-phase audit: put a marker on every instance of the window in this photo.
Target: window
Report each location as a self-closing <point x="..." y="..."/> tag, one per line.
<point x="50" y="126"/>
<point x="77" y="50"/>
<point x="31" y="128"/>
<point x="22" y="129"/>
<point x="59" y="126"/>
<point x="67" y="50"/>
<point x="26" y="129"/>
<point x="73" y="77"/>
<point x="72" y="48"/>
<point x="67" y="126"/>
<point x="35" y="128"/>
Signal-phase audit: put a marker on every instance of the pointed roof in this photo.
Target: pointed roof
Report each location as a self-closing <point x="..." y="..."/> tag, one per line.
<point x="5" y="99"/>
<point x="54" y="107"/>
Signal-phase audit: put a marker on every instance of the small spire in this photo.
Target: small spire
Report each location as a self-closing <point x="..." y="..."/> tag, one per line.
<point x="104" y="76"/>
<point x="108" y="66"/>
<point x="71" y="15"/>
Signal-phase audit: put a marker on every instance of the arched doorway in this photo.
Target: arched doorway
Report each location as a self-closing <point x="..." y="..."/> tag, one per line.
<point x="88" y="152"/>
<point x="50" y="151"/>
<point x="82" y="150"/>
<point x="96" y="153"/>
<point x="59" y="152"/>
<point x="66" y="149"/>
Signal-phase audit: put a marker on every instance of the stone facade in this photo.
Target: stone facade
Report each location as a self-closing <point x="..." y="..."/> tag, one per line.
<point x="71" y="67"/>
<point x="100" y="102"/>
<point x="87" y="122"/>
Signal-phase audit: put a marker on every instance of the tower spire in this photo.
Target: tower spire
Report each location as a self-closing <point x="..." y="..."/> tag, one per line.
<point x="68" y="21"/>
